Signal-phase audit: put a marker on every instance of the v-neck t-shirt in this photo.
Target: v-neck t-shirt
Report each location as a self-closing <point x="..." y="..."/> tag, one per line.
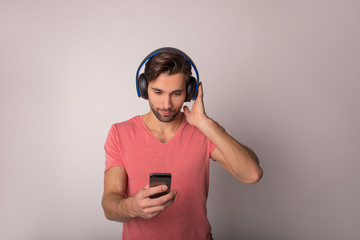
<point x="186" y="155"/>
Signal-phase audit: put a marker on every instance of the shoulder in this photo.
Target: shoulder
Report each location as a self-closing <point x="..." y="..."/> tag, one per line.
<point x="191" y="130"/>
<point x="126" y="128"/>
<point x="128" y="124"/>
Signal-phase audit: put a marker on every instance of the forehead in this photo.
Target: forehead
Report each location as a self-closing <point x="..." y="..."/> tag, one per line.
<point x="169" y="82"/>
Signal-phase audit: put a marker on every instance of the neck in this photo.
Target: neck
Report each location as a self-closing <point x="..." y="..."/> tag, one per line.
<point x="154" y="124"/>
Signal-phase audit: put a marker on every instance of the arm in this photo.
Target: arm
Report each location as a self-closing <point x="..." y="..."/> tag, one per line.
<point x="236" y="158"/>
<point x="118" y="207"/>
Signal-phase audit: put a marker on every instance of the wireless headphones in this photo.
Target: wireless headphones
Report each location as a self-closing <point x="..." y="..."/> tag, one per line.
<point x="142" y="84"/>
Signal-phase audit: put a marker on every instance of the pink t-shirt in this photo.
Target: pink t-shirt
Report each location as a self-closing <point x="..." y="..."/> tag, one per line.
<point x="186" y="156"/>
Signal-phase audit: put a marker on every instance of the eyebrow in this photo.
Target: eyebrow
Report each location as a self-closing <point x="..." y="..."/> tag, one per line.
<point x="159" y="90"/>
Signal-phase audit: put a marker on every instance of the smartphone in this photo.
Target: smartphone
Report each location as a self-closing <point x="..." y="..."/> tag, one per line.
<point x="157" y="179"/>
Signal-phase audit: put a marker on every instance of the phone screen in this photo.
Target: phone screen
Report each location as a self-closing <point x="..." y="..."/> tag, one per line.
<point x="157" y="179"/>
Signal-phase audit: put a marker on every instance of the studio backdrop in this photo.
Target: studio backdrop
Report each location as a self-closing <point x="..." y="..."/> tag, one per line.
<point x="282" y="77"/>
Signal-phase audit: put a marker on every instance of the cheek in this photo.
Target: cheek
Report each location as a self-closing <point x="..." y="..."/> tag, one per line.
<point x="153" y="98"/>
<point x="179" y="101"/>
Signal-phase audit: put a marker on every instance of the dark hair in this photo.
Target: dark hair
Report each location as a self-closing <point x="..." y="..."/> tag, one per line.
<point x="168" y="62"/>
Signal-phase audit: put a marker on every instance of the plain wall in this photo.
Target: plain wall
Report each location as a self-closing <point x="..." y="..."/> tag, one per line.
<point x="281" y="76"/>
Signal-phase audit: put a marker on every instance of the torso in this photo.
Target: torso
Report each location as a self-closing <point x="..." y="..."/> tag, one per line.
<point x="185" y="155"/>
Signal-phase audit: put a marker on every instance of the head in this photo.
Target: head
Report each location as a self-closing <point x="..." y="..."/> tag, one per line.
<point x="170" y="61"/>
<point x="167" y="75"/>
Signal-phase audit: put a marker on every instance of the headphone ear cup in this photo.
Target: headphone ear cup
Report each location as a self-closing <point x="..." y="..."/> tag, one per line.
<point x="143" y="86"/>
<point x="190" y="89"/>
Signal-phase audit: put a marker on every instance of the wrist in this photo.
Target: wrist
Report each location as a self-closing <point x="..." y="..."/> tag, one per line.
<point x="204" y="123"/>
<point x="129" y="207"/>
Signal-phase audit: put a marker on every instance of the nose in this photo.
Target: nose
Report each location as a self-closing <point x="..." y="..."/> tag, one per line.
<point x="167" y="103"/>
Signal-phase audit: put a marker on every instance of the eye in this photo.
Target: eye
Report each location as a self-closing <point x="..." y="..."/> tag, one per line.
<point x="178" y="93"/>
<point x="157" y="92"/>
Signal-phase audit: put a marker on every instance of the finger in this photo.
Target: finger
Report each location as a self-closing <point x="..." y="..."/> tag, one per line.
<point x="166" y="201"/>
<point x="199" y="94"/>
<point x="200" y="89"/>
<point x="166" y="204"/>
<point x="163" y="200"/>
<point x="153" y="211"/>
<point x="154" y="190"/>
<point x="142" y="192"/>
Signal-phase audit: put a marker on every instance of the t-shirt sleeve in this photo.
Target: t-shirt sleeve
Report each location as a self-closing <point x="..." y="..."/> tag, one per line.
<point x="112" y="152"/>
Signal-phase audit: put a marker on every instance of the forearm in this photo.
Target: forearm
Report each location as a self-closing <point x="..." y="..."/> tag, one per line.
<point x="241" y="161"/>
<point x="117" y="208"/>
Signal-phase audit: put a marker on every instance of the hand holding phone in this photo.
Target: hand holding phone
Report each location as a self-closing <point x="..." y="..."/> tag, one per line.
<point x="157" y="179"/>
<point x="146" y="208"/>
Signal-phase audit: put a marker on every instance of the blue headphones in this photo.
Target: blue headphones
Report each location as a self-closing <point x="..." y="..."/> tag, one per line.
<point x="142" y="84"/>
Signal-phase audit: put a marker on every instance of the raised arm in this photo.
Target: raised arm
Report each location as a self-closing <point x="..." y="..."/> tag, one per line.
<point x="236" y="158"/>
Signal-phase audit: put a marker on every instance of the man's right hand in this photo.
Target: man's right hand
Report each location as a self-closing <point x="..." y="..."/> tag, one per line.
<point x="145" y="207"/>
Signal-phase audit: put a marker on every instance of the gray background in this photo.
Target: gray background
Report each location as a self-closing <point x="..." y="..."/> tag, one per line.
<point x="281" y="76"/>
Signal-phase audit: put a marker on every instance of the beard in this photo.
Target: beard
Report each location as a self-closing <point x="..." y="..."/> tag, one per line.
<point x="164" y="118"/>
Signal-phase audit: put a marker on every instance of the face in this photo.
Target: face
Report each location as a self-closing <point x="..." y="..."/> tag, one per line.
<point x="166" y="96"/>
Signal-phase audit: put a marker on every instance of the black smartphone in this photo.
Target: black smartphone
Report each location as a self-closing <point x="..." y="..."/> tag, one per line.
<point x="157" y="179"/>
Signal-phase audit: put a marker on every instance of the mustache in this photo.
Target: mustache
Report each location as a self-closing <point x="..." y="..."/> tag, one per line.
<point x="166" y="110"/>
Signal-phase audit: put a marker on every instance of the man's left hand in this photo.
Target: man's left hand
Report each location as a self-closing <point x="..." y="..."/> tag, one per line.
<point x="197" y="114"/>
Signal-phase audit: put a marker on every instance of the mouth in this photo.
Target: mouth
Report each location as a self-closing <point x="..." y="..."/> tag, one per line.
<point x="167" y="112"/>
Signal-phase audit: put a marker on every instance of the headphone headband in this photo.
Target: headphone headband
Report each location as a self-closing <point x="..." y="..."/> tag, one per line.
<point x="157" y="51"/>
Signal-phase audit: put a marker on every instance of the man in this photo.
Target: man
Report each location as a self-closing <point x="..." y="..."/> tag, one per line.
<point x="166" y="140"/>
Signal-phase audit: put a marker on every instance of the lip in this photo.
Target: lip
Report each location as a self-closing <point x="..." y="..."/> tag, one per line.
<point x="166" y="113"/>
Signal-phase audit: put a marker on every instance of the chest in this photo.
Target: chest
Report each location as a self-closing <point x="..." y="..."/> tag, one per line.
<point x="186" y="156"/>
<point x="163" y="137"/>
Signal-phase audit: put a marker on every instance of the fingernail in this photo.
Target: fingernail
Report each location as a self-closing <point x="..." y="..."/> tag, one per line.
<point x="175" y="192"/>
<point x="164" y="188"/>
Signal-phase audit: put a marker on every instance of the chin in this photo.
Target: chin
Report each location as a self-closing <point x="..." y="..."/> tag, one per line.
<point x="167" y="118"/>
